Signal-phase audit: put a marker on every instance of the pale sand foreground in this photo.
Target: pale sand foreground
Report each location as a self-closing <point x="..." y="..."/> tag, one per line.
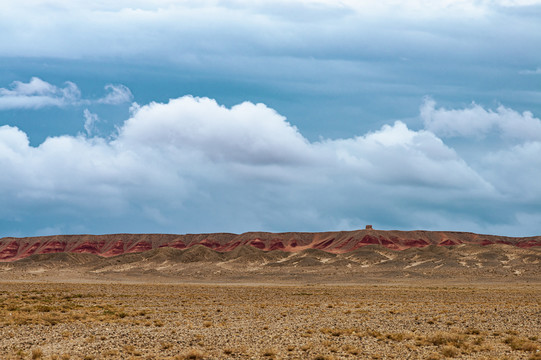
<point x="140" y="321"/>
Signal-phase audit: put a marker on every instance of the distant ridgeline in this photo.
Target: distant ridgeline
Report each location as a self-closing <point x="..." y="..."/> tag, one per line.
<point x="335" y="242"/>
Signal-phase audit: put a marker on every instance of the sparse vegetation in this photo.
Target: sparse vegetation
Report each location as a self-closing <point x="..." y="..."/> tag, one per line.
<point x="450" y="351"/>
<point x="194" y="354"/>
<point x="37" y="354"/>
<point x="182" y="322"/>
<point x="523" y="344"/>
<point x="269" y="352"/>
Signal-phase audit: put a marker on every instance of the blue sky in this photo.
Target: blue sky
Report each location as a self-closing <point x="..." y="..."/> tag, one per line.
<point x="303" y="115"/>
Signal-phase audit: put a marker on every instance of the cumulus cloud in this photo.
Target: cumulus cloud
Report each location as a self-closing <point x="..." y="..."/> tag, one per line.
<point x="37" y="94"/>
<point x="314" y="48"/>
<point x="477" y="121"/>
<point x="245" y="133"/>
<point x="516" y="171"/>
<point x="194" y="165"/>
<point x="513" y="167"/>
<point x="253" y="136"/>
<point x="396" y="155"/>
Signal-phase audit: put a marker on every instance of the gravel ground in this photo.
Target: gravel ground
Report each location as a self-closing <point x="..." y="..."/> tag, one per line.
<point x="144" y="321"/>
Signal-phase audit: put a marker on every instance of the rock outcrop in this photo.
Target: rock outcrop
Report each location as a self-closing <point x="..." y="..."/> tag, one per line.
<point x="332" y="242"/>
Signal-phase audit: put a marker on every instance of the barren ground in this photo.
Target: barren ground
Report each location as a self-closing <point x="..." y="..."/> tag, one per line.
<point x="415" y="320"/>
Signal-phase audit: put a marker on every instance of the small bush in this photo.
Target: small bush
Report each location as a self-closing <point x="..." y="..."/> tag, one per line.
<point x="269" y="352"/>
<point x="449" y="351"/>
<point x="37" y="354"/>
<point x="442" y="338"/>
<point x="522" y="344"/>
<point x="472" y="331"/>
<point x="193" y="354"/>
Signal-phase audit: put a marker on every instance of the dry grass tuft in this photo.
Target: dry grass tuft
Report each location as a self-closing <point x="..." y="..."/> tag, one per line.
<point x="269" y="352"/>
<point x="37" y="354"/>
<point x="449" y="351"/>
<point x="193" y="354"/>
<point x="446" y="338"/>
<point x="470" y="322"/>
<point x="518" y="343"/>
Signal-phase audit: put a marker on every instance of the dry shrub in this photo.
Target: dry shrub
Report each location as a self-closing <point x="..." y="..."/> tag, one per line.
<point x="472" y="331"/>
<point x="37" y="354"/>
<point x="449" y="351"/>
<point x="166" y="345"/>
<point x="444" y="338"/>
<point x="131" y="350"/>
<point x="269" y="352"/>
<point x="375" y="334"/>
<point x="194" y="354"/>
<point x="42" y="308"/>
<point x="517" y="343"/>
<point x="398" y="336"/>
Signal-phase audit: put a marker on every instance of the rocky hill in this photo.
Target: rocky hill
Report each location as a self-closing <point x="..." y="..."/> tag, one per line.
<point x="339" y="242"/>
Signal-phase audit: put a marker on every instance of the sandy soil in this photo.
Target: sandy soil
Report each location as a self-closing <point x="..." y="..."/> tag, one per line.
<point x="70" y="320"/>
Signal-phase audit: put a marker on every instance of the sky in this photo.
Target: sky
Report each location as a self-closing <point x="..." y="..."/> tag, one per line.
<point x="171" y="116"/>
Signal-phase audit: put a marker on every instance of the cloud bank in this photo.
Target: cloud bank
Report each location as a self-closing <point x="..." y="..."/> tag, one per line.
<point x="479" y="122"/>
<point x="193" y="165"/>
<point x="180" y="32"/>
<point x="288" y="54"/>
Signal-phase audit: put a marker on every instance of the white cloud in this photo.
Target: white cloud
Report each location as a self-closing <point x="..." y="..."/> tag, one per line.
<point x="396" y="155"/>
<point x="518" y="2"/>
<point x="516" y="171"/>
<point x="173" y="30"/>
<point x="179" y="165"/>
<point x="477" y="121"/>
<point x="250" y="133"/>
<point x="12" y="142"/>
<point x="252" y="136"/>
<point x="37" y="94"/>
<point x="531" y="72"/>
<point x="512" y="167"/>
<point x="116" y="94"/>
<point x="90" y="122"/>
<point x="36" y="86"/>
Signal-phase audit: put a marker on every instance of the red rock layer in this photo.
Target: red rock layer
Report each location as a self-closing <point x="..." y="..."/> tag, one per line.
<point x="335" y="242"/>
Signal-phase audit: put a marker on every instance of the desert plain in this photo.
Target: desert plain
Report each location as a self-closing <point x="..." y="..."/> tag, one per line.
<point x="466" y="301"/>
